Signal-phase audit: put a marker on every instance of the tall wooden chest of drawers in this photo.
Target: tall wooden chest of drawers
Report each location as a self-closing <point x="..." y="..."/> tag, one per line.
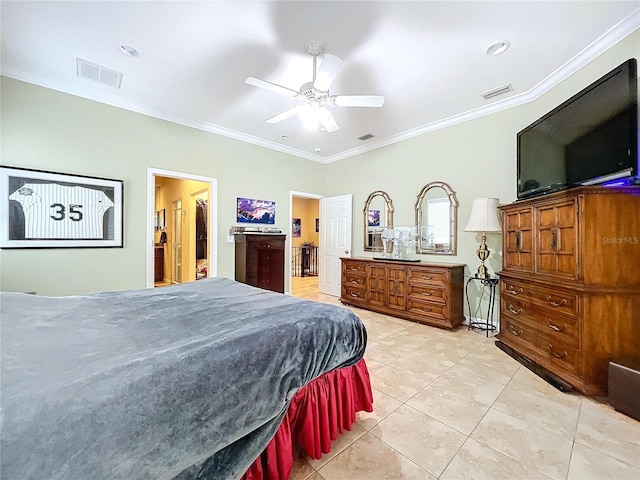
<point x="260" y="260"/>
<point x="425" y="293"/>
<point x="570" y="284"/>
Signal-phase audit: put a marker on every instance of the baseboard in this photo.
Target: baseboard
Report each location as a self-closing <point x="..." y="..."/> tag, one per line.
<point x="535" y="368"/>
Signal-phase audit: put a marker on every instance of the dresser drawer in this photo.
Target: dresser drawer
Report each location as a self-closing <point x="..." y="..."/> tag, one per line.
<point x="354" y="293"/>
<point x="427" y="276"/>
<point x="265" y="242"/>
<point x="430" y="309"/>
<point x="518" y="331"/>
<point x="558" y="328"/>
<point x="561" y="354"/>
<point x="427" y="293"/>
<point x="559" y="301"/>
<point x="354" y="267"/>
<point x="354" y="280"/>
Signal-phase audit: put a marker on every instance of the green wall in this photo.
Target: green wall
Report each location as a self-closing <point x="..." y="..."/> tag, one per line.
<point x="49" y="130"/>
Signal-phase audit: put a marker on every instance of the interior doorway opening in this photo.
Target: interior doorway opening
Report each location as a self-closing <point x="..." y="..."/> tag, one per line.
<point x="181" y="227"/>
<point x="303" y="256"/>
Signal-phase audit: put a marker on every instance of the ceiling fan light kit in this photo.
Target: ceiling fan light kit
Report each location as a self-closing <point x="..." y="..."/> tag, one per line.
<point x="314" y="113"/>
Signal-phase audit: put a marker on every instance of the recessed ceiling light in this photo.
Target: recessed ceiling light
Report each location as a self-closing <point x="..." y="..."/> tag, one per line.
<point x="128" y="50"/>
<point x="498" y="48"/>
<point x="318" y="150"/>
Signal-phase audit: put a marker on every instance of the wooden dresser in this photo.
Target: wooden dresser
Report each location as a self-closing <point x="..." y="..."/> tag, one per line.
<point x="260" y="260"/>
<point x="570" y="284"/>
<point x="428" y="293"/>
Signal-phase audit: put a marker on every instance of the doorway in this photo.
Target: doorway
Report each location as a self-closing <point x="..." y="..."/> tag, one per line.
<point x="200" y="200"/>
<point x="303" y="247"/>
<point x="178" y="195"/>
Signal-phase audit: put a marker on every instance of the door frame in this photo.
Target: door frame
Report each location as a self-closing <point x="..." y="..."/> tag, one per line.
<point x="292" y="194"/>
<point x="212" y="219"/>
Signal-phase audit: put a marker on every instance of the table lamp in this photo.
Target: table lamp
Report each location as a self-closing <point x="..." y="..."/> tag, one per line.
<point x="484" y="218"/>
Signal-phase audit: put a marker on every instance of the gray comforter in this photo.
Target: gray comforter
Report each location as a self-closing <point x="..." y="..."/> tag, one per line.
<point x="187" y="381"/>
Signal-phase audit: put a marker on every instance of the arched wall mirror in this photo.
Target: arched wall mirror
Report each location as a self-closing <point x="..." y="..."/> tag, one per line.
<point x="378" y="216"/>
<point x="437" y="219"/>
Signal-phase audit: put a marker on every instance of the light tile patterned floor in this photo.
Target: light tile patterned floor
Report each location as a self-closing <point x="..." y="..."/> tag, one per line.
<point x="451" y="405"/>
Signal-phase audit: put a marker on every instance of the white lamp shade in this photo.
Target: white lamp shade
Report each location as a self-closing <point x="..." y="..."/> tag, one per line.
<point x="484" y="216"/>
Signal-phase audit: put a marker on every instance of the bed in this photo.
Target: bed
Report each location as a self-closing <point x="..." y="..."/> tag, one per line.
<point x="201" y="380"/>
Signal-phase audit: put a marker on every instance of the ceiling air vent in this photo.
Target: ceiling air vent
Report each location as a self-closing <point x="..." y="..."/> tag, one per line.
<point x="497" y="91"/>
<point x="98" y="73"/>
<point x="365" y="137"/>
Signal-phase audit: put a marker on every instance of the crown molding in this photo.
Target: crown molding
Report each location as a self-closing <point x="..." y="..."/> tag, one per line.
<point x="614" y="35"/>
<point x="118" y="102"/>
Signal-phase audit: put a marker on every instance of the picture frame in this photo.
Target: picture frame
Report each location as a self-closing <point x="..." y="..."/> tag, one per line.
<point x="317" y="225"/>
<point x="373" y="218"/>
<point x="43" y="209"/>
<point x="296" y="227"/>
<point x="250" y="210"/>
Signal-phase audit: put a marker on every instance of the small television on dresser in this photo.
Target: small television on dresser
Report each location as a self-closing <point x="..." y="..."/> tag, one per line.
<point x="592" y="138"/>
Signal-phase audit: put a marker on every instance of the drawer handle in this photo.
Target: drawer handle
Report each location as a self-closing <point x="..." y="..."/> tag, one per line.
<point x="514" y="311"/>
<point x="426" y="294"/>
<point x="555" y="327"/>
<point x="426" y="309"/>
<point x="556" y="304"/>
<point x="513" y="291"/>
<point x="514" y="331"/>
<point x="425" y="277"/>
<point x="354" y="269"/>
<point x="354" y="294"/>
<point x="556" y="354"/>
<point x="355" y="282"/>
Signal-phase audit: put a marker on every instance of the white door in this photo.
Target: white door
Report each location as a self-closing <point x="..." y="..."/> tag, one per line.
<point x="335" y="241"/>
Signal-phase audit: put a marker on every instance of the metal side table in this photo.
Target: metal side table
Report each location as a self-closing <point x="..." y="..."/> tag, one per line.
<point x="487" y="325"/>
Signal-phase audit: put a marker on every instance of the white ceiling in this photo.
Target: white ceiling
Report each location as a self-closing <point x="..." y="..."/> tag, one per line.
<point x="428" y="59"/>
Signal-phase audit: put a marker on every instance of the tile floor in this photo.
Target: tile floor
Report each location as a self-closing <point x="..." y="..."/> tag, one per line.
<point x="451" y="405"/>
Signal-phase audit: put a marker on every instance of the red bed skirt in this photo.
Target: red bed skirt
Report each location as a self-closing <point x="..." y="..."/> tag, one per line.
<point x="318" y="413"/>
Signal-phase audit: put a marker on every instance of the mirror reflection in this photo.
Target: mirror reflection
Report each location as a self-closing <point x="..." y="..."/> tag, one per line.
<point x="436" y="219"/>
<point x="378" y="216"/>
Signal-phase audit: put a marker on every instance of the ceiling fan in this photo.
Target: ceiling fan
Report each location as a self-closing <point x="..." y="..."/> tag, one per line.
<point x="315" y="94"/>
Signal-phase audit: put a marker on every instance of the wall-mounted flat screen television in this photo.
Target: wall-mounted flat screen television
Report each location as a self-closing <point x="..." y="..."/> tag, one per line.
<point x="592" y="138"/>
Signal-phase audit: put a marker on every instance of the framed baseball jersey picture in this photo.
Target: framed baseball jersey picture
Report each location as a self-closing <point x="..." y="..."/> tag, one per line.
<point x="41" y="209"/>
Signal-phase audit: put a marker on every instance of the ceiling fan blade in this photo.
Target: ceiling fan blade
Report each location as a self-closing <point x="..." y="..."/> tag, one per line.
<point x="358" y="100"/>
<point x="256" y="82"/>
<point x="327" y="72"/>
<point x="284" y="115"/>
<point x="326" y="119"/>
